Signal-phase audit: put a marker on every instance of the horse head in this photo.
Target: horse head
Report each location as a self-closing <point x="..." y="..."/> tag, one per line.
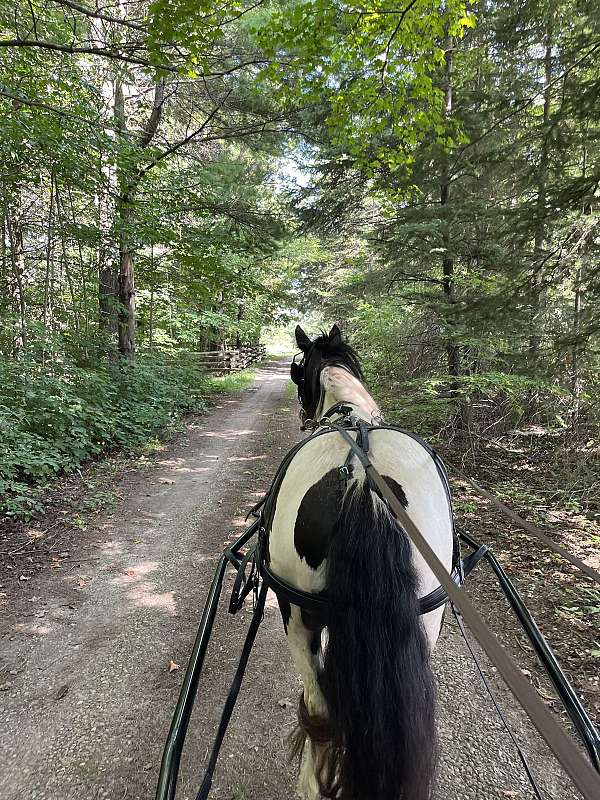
<point x="328" y="349"/>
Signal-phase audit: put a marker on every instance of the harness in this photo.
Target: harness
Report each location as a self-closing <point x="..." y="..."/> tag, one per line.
<point x="258" y="556"/>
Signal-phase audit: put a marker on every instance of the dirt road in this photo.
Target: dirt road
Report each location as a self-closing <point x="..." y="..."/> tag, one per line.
<point x="87" y="693"/>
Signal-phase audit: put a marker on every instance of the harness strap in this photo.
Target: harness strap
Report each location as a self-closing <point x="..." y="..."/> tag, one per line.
<point x="320" y="602"/>
<point x="522" y="756"/>
<point x="243" y="585"/>
<point x="338" y="408"/>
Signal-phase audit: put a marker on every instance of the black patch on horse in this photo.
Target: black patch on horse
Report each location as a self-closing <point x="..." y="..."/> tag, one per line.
<point x="397" y="490"/>
<point x="286" y="611"/>
<point x="317" y="515"/>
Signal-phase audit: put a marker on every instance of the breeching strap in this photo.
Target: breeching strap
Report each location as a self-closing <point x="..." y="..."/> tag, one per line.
<point x="579" y="770"/>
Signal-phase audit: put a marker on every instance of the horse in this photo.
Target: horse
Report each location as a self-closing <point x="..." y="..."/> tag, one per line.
<point x="366" y="714"/>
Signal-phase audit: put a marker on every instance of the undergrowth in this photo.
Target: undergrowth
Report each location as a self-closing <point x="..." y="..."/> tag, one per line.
<point x="53" y="417"/>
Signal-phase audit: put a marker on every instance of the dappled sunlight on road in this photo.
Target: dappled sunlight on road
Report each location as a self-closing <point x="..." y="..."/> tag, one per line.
<point x="171" y="462"/>
<point x="240" y="522"/>
<point x="115" y="548"/>
<point x="32" y="628"/>
<point x="136" y="572"/>
<point x="228" y="434"/>
<point x="247" y="458"/>
<point x="145" y="595"/>
<point x="190" y="470"/>
<point x="143" y="592"/>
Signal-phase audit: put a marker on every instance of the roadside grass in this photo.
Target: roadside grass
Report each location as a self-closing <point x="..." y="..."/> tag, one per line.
<point x="230" y="383"/>
<point x="291" y="391"/>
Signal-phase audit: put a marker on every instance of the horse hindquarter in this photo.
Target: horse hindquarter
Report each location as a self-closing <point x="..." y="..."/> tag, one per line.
<point x="375" y="678"/>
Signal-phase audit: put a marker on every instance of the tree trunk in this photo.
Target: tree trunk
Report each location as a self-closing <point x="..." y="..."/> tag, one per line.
<point x="84" y="291"/>
<point x="66" y="265"/>
<point x="575" y="376"/>
<point x="128" y="184"/>
<point x="47" y="314"/>
<point x="151" y="319"/>
<point x="126" y="289"/>
<point x="579" y="345"/>
<point x="538" y="294"/>
<point x="17" y="258"/>
<point x="240" y="316"/>
<point x="107" y="298"/>
<point x="107" y="192"/>
<point x="452" y="349"/>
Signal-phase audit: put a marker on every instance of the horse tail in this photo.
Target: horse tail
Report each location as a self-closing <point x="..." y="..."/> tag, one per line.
<point x="376" y="678"/>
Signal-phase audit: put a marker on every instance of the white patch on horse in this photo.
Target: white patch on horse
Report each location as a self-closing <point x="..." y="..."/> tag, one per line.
<point x="340" y="386"/>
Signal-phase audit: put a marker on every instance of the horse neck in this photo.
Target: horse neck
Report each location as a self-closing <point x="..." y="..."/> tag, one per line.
<point x="340" y="386"/>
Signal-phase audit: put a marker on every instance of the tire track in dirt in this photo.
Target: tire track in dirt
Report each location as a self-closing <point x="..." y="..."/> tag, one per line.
<point x="88" y="710"/>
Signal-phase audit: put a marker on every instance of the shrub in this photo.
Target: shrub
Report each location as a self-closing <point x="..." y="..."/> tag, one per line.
<point x="55" y="416"/>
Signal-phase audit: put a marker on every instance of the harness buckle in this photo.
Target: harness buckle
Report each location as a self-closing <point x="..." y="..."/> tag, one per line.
<point x="346" y="472"/>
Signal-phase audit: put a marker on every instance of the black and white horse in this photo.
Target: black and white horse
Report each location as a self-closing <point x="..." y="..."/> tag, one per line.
<point x="366" y="715"/>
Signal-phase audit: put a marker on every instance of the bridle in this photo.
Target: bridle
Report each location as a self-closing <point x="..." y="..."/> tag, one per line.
<point x="298" y="375"/>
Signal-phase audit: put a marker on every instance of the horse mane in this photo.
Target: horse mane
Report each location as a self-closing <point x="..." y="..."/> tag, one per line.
<point x="339" y="352"/>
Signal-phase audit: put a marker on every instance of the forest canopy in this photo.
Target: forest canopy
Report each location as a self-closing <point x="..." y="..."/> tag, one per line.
<point x="178" y="176"/>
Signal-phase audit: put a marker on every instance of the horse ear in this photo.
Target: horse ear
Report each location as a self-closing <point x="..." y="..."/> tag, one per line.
<point x="303" y="341"/>
<point x="335" y="334"/>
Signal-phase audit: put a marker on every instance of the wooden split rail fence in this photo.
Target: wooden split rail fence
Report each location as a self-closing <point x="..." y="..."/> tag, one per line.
<point x="231" y="360"/>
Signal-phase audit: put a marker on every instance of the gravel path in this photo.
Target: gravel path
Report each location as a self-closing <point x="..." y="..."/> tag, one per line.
<point x="88" y="702"/>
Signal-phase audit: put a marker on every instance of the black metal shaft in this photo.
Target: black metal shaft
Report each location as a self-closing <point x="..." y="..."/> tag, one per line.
<point x="169" y="768"/>
<point x="233" y="553"/>
<point x="565" y="690"/>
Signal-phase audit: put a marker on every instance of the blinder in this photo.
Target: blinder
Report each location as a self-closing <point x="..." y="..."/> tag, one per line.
<point x="298" y="375"/>
<point x="297" y="370"/>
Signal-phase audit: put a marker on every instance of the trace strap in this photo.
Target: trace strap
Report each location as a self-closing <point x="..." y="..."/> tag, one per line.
<point x="579" y="770"/>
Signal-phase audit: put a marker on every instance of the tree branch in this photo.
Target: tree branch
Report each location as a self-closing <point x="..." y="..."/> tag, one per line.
<point x="36" y="104"/>
<point x="182" y="142"/>
<point x="154" y="120"/>
<point x="406" y="276"/>
<point x="392" y="37"/>
<point x="71" y="49"/>
<point x="89" y="12"/>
